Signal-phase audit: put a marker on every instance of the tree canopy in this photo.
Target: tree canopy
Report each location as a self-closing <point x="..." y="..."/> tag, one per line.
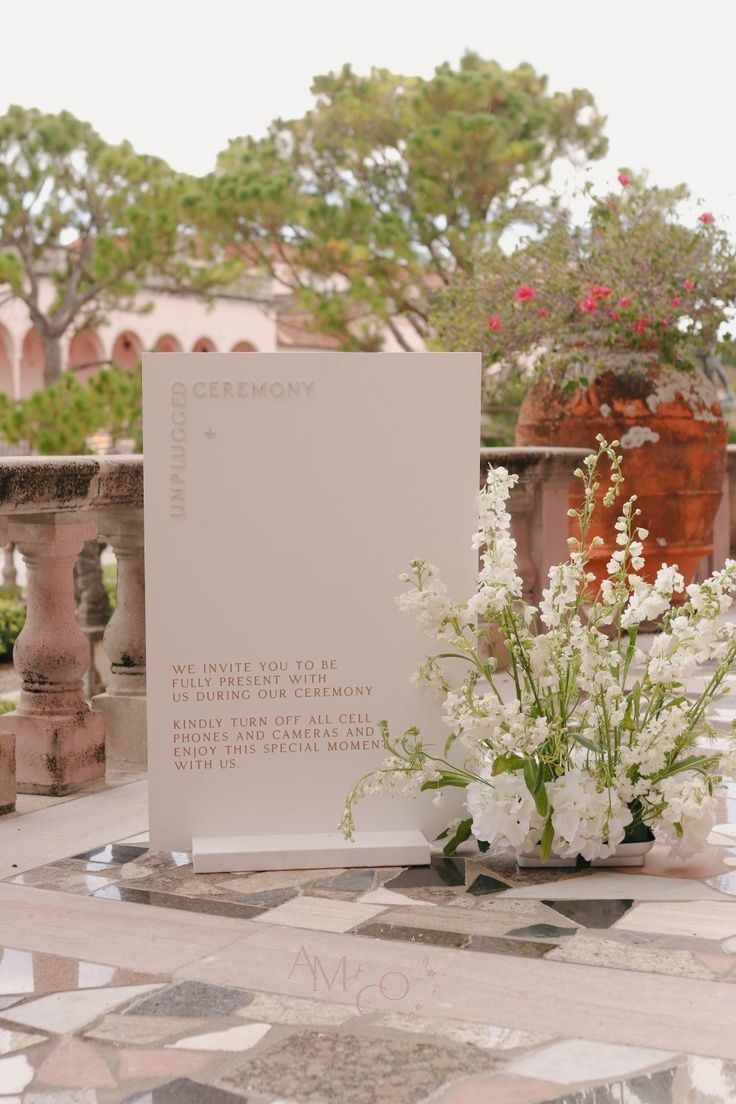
<point x="387" y="187"/>
<point x="95" y="219"/>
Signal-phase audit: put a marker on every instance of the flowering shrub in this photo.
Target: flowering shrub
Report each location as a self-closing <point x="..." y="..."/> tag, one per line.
<point x="591" y="741"/>
<point x="581" y="299"/>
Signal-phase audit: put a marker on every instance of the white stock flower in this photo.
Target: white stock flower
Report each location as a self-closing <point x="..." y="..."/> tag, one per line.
<point x="504" y="812"/>
<point x="586" y="821"/>
<point x="431" y="607"/>
<point x="687" y="803"/>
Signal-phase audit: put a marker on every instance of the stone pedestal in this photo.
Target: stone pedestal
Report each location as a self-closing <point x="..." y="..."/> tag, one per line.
<point x="7" y="773"/>
<point x="59" y="742"/>
<point x="123" y="705"/>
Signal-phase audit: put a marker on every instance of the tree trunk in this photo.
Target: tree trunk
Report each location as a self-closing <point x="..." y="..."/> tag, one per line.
<point x="52" y="358"/>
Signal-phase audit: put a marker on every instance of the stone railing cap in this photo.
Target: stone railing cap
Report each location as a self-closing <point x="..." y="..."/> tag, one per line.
<point x="541" y="460"/>
<point x="37" y="484"/>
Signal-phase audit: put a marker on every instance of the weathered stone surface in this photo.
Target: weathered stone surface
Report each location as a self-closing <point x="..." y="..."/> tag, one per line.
<point x="31" y="484"/>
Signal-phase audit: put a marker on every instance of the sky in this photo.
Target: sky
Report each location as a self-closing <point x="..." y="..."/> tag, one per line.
<point x="179" y="78"/>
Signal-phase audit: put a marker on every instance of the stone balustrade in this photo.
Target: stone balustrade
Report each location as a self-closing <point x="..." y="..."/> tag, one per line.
<point x="538" y="506"/>
<point x="53" y="509"/>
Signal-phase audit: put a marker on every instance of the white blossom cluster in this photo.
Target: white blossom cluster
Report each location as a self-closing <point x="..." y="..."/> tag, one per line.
<point x="599" y="742"/>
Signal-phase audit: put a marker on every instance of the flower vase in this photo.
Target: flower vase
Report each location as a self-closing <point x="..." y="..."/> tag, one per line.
<point x="533" y="858"/>
<point x="627" y="854"/>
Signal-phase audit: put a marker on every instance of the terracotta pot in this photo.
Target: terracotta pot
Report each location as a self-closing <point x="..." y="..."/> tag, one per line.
<point x="673" y="441"/>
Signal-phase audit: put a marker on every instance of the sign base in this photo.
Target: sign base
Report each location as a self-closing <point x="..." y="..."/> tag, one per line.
<point x="324" y="850"/>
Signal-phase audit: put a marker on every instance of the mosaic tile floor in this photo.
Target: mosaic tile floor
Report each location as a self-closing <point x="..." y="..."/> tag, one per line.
<point x="466" y="982"/>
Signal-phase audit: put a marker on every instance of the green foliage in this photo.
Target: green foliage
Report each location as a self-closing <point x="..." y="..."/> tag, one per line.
<point x="110" y="583"/>
<point x="97" y="218"/>
<point x="388" y="185"/>
<point x="58" y="420"/>
<point x="7" y="707"/>
<point x="12" y="620"/>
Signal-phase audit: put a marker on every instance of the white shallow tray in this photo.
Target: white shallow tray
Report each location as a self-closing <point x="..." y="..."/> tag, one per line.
<point x="217" y="854"/>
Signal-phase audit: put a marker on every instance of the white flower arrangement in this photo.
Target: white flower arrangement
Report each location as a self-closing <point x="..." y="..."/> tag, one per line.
<point x="599" y="742"/>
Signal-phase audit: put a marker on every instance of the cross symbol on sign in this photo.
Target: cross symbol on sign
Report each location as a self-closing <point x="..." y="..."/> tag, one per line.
<point x="209" y="433"/>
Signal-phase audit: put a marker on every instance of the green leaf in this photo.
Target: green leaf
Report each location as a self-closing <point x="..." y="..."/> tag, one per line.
<point x="506" y="762"/>
<point x="462" y="832"/>
<point x="540" y="800"/>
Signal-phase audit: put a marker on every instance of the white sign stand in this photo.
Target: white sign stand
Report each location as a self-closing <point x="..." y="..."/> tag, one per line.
<point x="284" y="494"/>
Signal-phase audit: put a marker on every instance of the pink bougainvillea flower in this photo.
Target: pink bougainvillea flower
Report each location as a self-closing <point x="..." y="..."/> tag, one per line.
<point x="662" y="324"/>
<point x="524" y="293"/>
<point x="688" y="285"/>
<point x="494" y="323"/>
<point x="641" y="324"/>
<point x="705" y="218"/>
<point x="587" y="304"/>
<point x="600" y="291"/>
<point x="543" y="312"/>
<point x="624" y="179"/>
<point x="676" y="300"/>
<point x="614" y="316"/>
<point x="624" y="301"/>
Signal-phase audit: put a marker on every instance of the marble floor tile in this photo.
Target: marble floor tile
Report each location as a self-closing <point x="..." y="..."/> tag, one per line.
<point x="484" y="884"/>
<point x="724" y="883"/>
<point x="276" y="879"/>
<point x="441" y="872"/>
<point x="320" y="914"/>
<point x="574" y="1060"/>
<point x="8" y="1002"/>
<point x="76" y="1065"/>
<point x="542" y="931"/>
<point x="141" y="837"/>
<point x="212" y="907"/>
<point x="190" y="998"/>
<point x="469" y="921"/>
<point x="66" y="1096"/>
<point x="184" y="1091"/>
<point x="499" y="1090"/>
<point x="231" y="1039"/>
<point x="133" y="936"/>
<point x="11" y="1041"/>
<point x="609" y="885"/>
<point x="398" y="933"/>
<point x="25" y="972"/>
<point x="707" y="919"/>
<point x="662" y="1087"/>
<point x="147" y="1064"/>
<point x="50" y="877"/>
<point x="442" y="1030"/>
<point x="142" y="1030"/>
<point x="61" y="1013"/>
<point x="389" y="897"/>
<point x="16" y="1074"/>
<point x="276" y="1009"/>
<point x="356" y="881"/>
<point x="113" y="853"/>
<point x="522" y="948"/>
<point x="357" y="1068"/>
<point x="591" y="913"/>
<point x="622" y="956"/>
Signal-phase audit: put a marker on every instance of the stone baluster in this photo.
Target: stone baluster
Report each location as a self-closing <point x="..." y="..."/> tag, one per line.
<point x="124" y="702"/>
<point x="7" y="742"/>
<point x="59" y="742"/>
<point x="731" y="496"/>
<point x="10" y="575"/>
<point x="93" y="608"/>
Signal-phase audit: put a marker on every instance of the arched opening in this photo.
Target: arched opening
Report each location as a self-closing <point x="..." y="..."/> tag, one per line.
<point x="126" y="352"/>
<point x="204" y="345"/>
<point x="244" y="347"/>
<point x="6" y="363"/>
<point x="31" y="364"/>
<point x="167" y="343"/>
<point x="86" y="355"/>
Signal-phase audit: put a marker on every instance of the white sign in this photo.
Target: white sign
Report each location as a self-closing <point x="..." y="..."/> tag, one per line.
<point x="284" y="495"/>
